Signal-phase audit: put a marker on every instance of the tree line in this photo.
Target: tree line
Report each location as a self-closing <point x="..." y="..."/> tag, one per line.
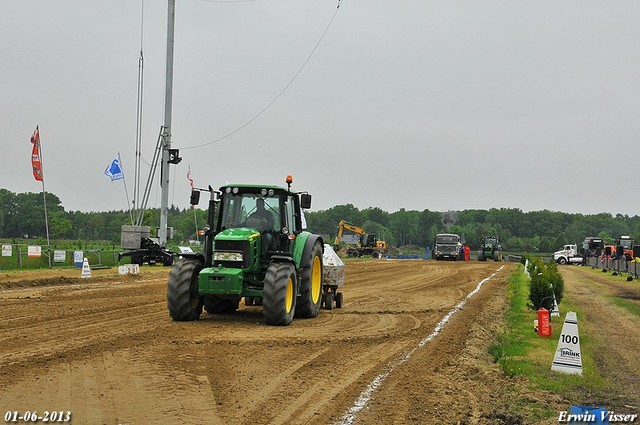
<point x="22" y="216"/>
<point x="535" y="231"/>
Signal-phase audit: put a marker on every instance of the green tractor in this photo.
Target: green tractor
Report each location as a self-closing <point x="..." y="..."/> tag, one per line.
<point x="490" y="248"/>
<point x="256" y="247"/>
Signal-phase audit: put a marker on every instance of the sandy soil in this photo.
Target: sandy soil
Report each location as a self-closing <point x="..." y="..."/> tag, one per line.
<point x="105" y="349"/>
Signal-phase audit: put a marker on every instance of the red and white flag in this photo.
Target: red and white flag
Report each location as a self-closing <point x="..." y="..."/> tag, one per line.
<point x="190" y="178"/>
<point x="36" y="161"/>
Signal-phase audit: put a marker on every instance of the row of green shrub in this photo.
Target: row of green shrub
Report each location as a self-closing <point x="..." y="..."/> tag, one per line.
<point x="545" y="282"/>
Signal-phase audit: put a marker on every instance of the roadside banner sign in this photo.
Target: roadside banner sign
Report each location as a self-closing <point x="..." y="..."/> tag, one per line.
<point x="34" y="251"/>
<point x="129" y="269"/>
<point x="78" y="257"/>
<point x="568" y="358"/>
<point x="6" y="251"/>
<point x="59" y="256"/>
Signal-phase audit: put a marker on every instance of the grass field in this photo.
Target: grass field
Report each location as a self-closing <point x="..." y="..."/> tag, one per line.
<point x="521" y="352"/>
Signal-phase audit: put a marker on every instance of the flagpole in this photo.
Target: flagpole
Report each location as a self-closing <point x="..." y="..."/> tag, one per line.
<point x="195" y="219"/>
<point x="126" y="192"/>
<point x="124" y="181"/>
<point x="44" y="193"/>
<point x="193" y="207"/>
<point x="44" y="197"/>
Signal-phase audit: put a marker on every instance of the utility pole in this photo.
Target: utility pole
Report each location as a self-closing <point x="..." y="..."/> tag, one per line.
<point x="169" y="156"/>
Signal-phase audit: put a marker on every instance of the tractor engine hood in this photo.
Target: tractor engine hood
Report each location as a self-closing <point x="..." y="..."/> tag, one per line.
<point x="238" y="234"/>
<point x="236" y="248"/>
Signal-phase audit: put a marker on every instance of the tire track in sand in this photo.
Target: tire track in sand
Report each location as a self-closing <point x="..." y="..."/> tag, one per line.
<point x="363" y="400"/>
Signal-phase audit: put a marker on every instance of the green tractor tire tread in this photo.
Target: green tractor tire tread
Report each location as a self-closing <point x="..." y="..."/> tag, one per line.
<point x="274" y="296"/>
<point x="305" y="307"/>
<point x="182" y="304"/>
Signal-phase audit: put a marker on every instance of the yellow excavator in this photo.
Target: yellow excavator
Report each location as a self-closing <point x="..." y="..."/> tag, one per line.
<point x="365" y="245"/>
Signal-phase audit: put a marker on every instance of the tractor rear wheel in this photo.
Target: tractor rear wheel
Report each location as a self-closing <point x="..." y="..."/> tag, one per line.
<point x="279" y="294"/>
<point x="308" y="303"/>
<point x="183" y="301"/>
<point x="338" y="299"/>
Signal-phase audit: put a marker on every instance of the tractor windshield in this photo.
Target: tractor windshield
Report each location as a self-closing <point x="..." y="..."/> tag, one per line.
<point x="250" y="210"/>
<point x="626" y="243"/>
<point x="447" y="239"/>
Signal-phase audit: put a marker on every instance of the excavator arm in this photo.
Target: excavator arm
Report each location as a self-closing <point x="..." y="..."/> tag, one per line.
<point x="348" y="226"/>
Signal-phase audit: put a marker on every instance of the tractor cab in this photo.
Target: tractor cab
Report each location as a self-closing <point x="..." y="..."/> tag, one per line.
<point x="248" y="212"/>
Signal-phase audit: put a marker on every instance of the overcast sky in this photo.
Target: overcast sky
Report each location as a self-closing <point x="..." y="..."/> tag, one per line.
<point x="415" y="104"/>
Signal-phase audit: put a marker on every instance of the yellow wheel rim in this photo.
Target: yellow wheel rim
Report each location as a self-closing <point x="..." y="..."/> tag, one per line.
<point x="289" y="297"/>
<point x="316" y="280"/>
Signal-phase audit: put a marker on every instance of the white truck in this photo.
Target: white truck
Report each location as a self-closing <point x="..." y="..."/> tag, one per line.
<point x="568" y="255"/>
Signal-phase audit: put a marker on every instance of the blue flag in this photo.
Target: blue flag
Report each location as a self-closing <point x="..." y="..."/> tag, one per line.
<point x="114" y="170"/>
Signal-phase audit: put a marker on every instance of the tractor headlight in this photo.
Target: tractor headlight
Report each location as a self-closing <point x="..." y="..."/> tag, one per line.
<point x="235" y="190"/>
<point x="228" y="190"/>
<point x="227" y="256"/>
<point x="263" y="192"/>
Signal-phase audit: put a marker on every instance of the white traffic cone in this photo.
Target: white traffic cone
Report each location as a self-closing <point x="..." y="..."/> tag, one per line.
<point x="568" y="358"/>
<point x="86" y="270"/>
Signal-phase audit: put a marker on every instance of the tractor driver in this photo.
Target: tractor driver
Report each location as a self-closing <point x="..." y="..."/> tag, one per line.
<point x="261" y="218"/>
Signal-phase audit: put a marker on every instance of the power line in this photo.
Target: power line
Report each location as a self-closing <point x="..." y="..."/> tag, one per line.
<point x="255" y="117"/>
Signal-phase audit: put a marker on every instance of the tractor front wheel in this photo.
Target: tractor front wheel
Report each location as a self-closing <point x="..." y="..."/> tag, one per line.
<point x="279" y="294"/>
<point x="183" y="301"/>
<point x="310" y="298"/>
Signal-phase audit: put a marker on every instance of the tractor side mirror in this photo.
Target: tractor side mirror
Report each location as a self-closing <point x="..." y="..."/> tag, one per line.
<point x="305" y="201"/>
<point x="195" y="197"/>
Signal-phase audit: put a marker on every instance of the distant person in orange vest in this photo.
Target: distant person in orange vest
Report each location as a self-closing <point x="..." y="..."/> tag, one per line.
<point x="467" y="253"/>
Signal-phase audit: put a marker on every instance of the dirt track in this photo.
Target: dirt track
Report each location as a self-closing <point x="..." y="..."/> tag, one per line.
<point x="106" y="350"/>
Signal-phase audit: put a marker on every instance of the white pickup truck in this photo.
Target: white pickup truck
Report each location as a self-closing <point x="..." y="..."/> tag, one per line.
<point x="568" y="255"/>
